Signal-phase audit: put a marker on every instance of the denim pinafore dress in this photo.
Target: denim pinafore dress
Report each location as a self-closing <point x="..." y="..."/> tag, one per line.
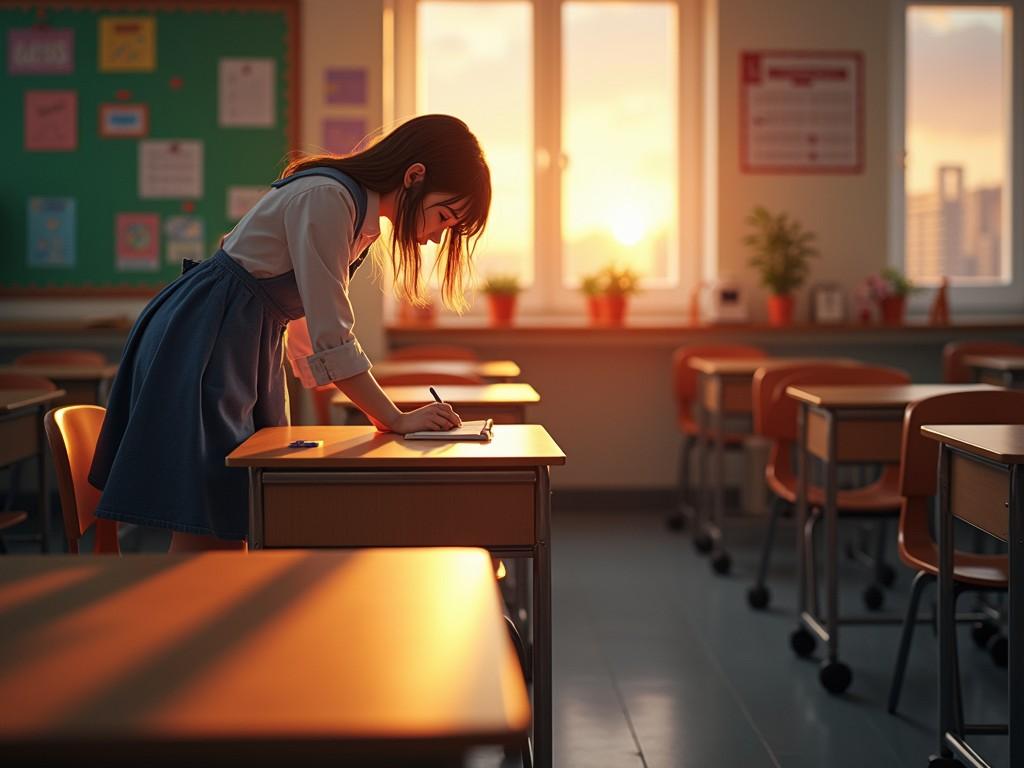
<point x="202" y="370"/>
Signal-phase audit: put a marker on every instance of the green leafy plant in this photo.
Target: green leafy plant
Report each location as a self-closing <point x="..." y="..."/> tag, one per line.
<point x="782" y="250"/>
<point x="592" y="285"/>
<point x="501" y="285"/>
<point x="611" y="281"/>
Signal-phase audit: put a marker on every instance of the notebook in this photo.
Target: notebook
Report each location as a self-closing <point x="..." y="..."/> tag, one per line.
<point x="470" y="430"/>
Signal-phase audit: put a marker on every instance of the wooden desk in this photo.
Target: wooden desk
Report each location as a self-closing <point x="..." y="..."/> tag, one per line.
<point x="490" y="370"/>
<point x="1001" y="370"/>
<point x="376" y="657"/>
<point x="724" y="389"/>
<point x="22" y="437"/>
<point x="981" y="480"/>
<point x="364" y="488"/>
<point x="83" y="384"/>
<point x="844" y="425"/>
<point x="505" y="403"/>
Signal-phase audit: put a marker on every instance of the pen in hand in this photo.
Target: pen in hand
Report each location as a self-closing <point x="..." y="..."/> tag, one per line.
<point x="437" y="397"/>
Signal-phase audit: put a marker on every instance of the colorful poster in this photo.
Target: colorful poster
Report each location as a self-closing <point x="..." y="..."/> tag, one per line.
<point x="40" y="51"/>
<point x="127" y="44"/>
<point x="345" y="86"/>
<point x="138" y="242"/>
<point x="124" y="121"/>
<point x="51" y="121"/>
<point x="241" y="199"/>
<point x="183" y="239"/>
<point x="246" y="93"/>
<point x="343" y="135"/>
<point x="51" y="232"/>
<point x="170" y="169"/>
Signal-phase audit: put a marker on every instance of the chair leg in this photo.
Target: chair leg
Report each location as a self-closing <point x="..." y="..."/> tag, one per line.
<point x="811" y="559"/>
<point x="769" y="541"/>
<point x="920" y="582"/>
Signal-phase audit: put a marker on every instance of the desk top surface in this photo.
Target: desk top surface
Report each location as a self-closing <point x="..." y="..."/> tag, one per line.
<point x="381" y="647"/>
<point x="486" y="369"/>
<point x="748" y="366"/>
<point x="996" y="362"/>
<point x="875" y="396"/>
<point x="513" y="393"/>
<point x="66" y="372"/>
<point x="999" y="442"/>
<point x="363" y="447"/>
<point x="15" y="399"/>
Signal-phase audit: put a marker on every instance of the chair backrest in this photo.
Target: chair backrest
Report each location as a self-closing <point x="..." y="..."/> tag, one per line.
<point x="684" y="378"/>
<point x="953" y="369"/>
<point x="433" y="352"/>
<point x="61" y="357"/>
<point x="25" y="381"/>
<point x="72" y="432"/>
<point x="426" y="379"/>
<point x="765" y="396"/>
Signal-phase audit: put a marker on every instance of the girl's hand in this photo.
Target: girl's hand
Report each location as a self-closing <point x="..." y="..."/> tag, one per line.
<point x="433" y="417"/>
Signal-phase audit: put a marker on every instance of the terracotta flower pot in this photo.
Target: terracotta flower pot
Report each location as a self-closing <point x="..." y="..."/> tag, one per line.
<point x="780" y="309"/>
<point x="615" y="308"/>
<point x="893" y="308"/>
<point x="502" y="308"/>
<point x="596" y="309"/>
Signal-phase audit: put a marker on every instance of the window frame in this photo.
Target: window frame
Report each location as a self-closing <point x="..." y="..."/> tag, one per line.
<point x="547" y="297"/>
<point x="977" y="299"/>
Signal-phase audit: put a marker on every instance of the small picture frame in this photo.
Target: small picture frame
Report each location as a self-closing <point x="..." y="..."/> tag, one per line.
<point x="124" y="121"/>
<point x="828" y="304"/>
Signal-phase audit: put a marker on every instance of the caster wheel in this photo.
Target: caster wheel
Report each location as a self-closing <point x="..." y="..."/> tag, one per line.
<point x="676" y="523"/>
<point x="702" y="543"/>
<point x="982" y="632"/>
<point x="887" y="575"/>
<point x="873" y="597"/>
<point x="758" y="597"/>
<point x="802" y="642"/>
<point x="998" y="648"/>
<point x="721" y="563"/>
<point x="835" y="676"/>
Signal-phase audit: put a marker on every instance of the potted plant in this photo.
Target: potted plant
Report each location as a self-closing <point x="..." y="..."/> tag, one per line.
<point x="782" y="252"/>
<point x="592" y="287"/>
<point x="888" y="290"/>
<point x="501" y="291"/>
<point x="619" y="283"/>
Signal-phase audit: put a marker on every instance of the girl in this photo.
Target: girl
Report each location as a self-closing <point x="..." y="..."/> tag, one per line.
<point x="202" y="369"/>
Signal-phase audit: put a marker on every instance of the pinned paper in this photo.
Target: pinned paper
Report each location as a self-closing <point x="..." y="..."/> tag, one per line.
<point x="170" y="169"/>
<point x="51" y="232"/>
<point x="246" y="97"/>
<point x="127" y="44"/>
<point x="138" y="242"/>
<point x="51" y="121"/>
<point x="183" y="238"/>
<point x="343" y="135"/>
<point x="345" y="86"/>
<point x="124" y="121"/>
<point x="241" y="199"/>
<point x="40" y="51"/>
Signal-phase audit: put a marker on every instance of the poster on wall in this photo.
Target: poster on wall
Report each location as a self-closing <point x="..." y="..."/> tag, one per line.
<point x="184" y="239"/>
<point x="246" y="93"/>
<point x="51" y="121"/>
<point x="51" y="232"/>
<point x="138" y="242"/>
<point x="801" y="112"/>
<point x="40" y="51"/>
<point x="170" y="169"/>
<point x="127" y="44"/>
<point x="345" y="86"/>
<point x="343" y="135"/>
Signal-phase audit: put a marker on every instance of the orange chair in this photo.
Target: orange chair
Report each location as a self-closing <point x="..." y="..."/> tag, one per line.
<point x="775" y="417"/>
<point x="433" y="352"/>
<point x="11" y="517"/>
<point x="954" y="371"/>
<point x="61" y="357"/>
<point x="918" y="483"/>
<point x="684" y="390"/>
<point x="72" y="432"/>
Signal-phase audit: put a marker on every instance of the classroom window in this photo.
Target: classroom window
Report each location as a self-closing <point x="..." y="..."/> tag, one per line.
<point x="958" y="129"/>
<point x="577" y="106"/>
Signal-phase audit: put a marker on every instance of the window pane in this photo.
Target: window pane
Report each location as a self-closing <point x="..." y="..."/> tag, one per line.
<point x="475" y="61"/>
<point x="619" y="134"/>
<point x="957" y="132"/>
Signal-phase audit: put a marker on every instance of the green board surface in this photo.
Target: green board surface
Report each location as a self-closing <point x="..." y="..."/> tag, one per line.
<point x="101" y="174"/>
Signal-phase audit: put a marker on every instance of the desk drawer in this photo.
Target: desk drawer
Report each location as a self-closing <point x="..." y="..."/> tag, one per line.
<point x="20" y="433"/>
<point x="980" y="493"/>
<point x="331" y="509"/>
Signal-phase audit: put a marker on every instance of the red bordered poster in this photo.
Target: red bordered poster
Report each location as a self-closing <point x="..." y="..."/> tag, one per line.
<point x="801" y="111"/>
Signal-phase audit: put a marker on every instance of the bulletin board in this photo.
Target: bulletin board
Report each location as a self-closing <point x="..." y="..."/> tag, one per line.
<point x="136" y="134"/>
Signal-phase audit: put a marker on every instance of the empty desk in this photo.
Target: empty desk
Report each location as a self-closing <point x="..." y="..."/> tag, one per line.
<point x="83" y="384"/>
<point x="505" y="403"/>
<point x="489" y="370"/>
<point x="1003" y="370"/>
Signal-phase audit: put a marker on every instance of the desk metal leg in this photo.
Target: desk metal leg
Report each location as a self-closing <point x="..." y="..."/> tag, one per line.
<point x="44" y="485"/>
<point x="1016" y="618"/>
<point x="542" y="705"/>
<point x="947" y="625"/>
<point x="701" y="538"/>
<point x="720" y="561"/>
<point x="835" y="675"/>
<point x="801" y="641"/>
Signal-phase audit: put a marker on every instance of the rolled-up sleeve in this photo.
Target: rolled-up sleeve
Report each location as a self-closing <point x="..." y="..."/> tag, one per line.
<point x="319" y="229"/>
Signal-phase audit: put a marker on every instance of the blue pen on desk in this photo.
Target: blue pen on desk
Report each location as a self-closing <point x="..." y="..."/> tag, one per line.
<point x="436" y="396"/>
<point x="305" y="444"/>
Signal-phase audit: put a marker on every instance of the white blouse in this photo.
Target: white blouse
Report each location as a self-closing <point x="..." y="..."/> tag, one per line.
<point x="308" y="226"/>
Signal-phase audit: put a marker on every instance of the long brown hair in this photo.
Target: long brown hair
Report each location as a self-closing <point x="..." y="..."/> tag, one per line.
<point x="455" y="164"/>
